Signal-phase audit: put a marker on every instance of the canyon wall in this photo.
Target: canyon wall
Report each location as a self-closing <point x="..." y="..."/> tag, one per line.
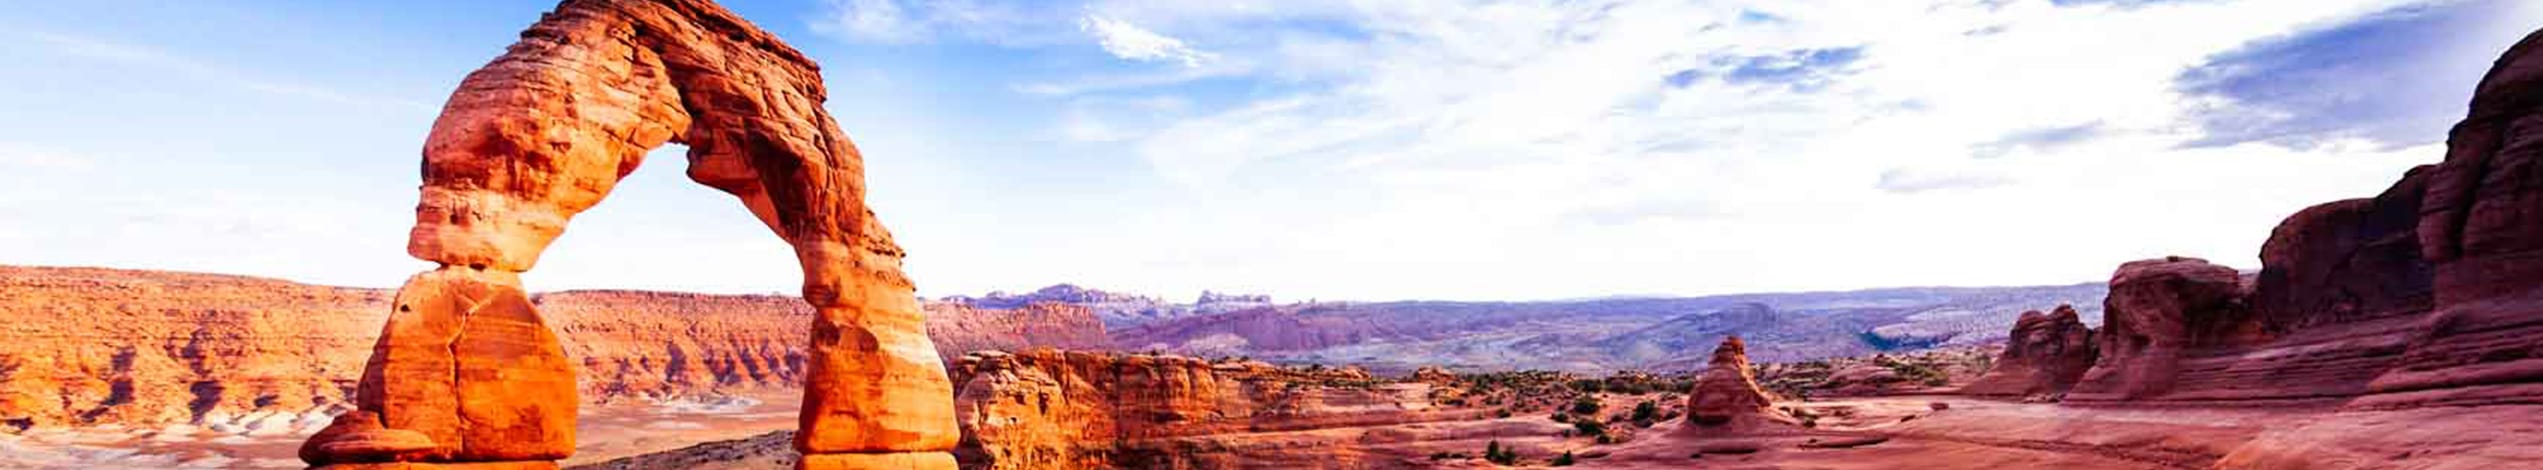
<point x="107" y="346"/>
<point x="1071" y="409"/>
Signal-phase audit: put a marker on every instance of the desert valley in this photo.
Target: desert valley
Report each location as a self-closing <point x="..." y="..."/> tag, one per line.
<point x="2394" y="330"/>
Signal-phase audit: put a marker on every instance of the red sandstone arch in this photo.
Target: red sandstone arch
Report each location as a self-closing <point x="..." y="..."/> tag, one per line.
<point x="465" y="372"/>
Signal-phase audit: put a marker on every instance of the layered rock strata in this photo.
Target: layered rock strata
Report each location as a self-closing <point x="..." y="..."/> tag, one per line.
<point x="2046" y="355"/>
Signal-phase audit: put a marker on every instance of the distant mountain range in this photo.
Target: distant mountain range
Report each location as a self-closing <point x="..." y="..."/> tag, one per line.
<point x="1588" y="335"/>
<point x="1114" y="308"/>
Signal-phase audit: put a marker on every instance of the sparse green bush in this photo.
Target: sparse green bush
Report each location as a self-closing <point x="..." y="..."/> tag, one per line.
<point x="1585" y="405"/>
<point x="1588" y="427"/>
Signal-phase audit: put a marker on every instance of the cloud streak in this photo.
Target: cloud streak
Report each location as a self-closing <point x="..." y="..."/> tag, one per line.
<point x="1130" y="42"/>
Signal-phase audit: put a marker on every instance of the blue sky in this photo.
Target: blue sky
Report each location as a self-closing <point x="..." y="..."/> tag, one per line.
<point x="1332" y="149"/>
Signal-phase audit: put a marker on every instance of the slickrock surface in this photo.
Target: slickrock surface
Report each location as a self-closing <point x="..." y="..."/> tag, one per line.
<point x="258" y="356"/>
<point x="1727" y="392"/>
<point x="1065" y="409"/>
<point x="2045" y="356"/>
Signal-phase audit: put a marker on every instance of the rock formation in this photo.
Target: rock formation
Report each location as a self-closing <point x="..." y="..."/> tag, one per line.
<point x="543" y="133"/>
<point x="2481" y="225"/>
<point x="1069" y="409"/>
<point x="2159" y="311"/>
<point x="261" y="357"/>
<point x="2346" y="262"/>
<point x="1727" y="390"/>
<point x="2430" y="293"/>
<point x="2046" y="354"/>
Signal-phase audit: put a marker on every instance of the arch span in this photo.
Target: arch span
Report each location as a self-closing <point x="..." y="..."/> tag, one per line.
<point x="465" y="371"/>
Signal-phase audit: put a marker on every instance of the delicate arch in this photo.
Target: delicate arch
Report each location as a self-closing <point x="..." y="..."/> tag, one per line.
<point x="465" y="372"/>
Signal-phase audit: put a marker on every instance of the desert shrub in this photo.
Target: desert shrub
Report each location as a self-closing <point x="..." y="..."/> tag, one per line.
<point x="1590" y="428"/>
<point x="1645" y="410"/>
<point x="1585" y="405"/>
<point x="1493" y="452"/>
<point x="1564" y="460"/>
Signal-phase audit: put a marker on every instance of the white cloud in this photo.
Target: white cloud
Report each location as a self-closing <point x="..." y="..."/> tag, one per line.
<point x="1130" y="42"/>
<point x="1459" y="149"/>
<point x="874" y="20"/>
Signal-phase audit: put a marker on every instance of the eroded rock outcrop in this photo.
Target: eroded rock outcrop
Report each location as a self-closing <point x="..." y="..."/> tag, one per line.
<point x="544" y="132"/>
<point x="2159" y="311"/>
<point x="1727" y="390"/>
<point x="1043" y="409"/>
<point x="2046" y="355"/>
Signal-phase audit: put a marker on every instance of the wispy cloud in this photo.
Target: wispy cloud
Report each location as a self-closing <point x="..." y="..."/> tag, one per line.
<point x="162" y="61"/>
<point x="2044" y="139"/>
<point x="1129" y="41"/>
<point x="1917" y="180"/>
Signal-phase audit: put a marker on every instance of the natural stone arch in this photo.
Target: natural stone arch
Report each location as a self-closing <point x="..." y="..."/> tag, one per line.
<point x="465" y="371"/>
